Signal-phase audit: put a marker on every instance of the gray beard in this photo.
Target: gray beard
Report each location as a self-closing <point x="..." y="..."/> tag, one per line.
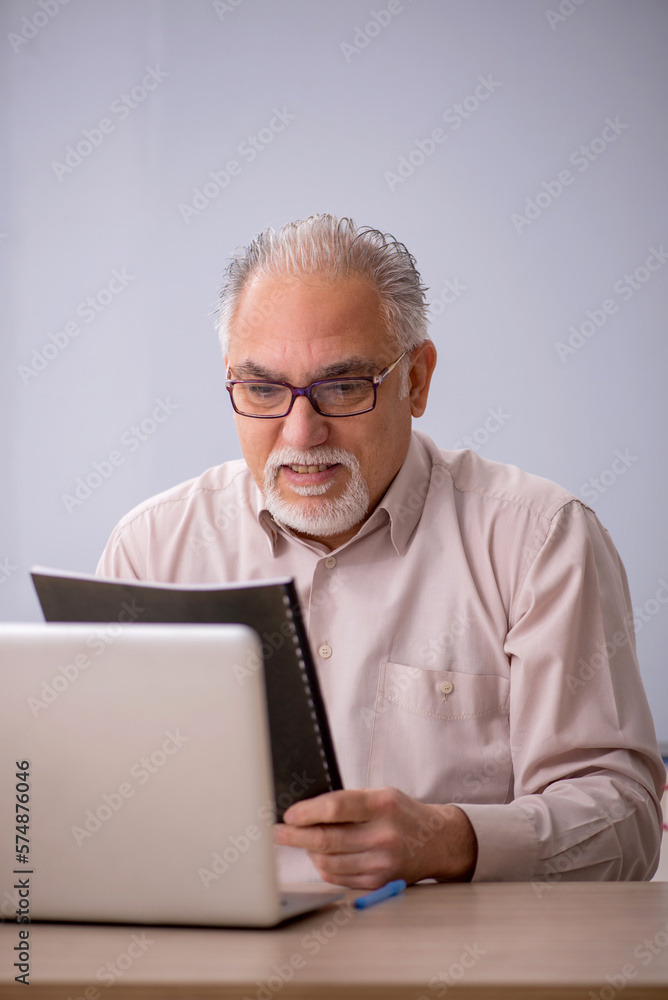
<point x="330" y="517"/>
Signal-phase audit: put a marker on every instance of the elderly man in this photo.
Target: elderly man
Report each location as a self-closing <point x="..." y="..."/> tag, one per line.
<point x="470" y="623"/>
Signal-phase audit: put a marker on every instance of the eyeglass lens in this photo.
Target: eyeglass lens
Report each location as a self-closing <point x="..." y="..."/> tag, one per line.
<point x="332" y="398"/>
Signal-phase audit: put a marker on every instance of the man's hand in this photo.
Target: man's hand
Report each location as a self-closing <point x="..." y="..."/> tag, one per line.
<point x="363" y="838"/>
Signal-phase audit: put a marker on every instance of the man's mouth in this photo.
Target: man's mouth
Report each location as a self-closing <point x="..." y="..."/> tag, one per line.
<point x="319" y="474"/>
<point x="304" y="469"/>
<point x="312" y="472"/>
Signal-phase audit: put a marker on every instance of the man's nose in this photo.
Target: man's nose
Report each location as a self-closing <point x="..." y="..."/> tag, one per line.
<point x="303" y="427"/>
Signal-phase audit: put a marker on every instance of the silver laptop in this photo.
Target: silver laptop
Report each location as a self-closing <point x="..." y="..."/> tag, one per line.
<point x="136" y="782"/>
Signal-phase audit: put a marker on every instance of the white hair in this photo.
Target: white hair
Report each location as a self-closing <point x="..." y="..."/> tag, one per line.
<point x="334" y="248"/>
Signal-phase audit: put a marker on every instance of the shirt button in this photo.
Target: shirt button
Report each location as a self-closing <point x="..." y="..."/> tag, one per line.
<point x="445" y="687"/>
<point x="330" y="562"/>
<point x="325" y="651"/>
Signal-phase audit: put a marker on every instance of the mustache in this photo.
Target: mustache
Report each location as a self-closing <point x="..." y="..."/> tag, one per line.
<point x="312" y="456"/>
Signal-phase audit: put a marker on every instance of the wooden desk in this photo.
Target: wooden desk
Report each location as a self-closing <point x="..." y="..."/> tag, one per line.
<point x="509" y="941"/>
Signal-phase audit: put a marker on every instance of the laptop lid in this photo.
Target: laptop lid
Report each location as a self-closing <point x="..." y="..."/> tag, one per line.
<point x="147" y="770"/>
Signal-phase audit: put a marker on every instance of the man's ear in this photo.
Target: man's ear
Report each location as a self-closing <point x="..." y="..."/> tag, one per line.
<point x="423" y="362"/>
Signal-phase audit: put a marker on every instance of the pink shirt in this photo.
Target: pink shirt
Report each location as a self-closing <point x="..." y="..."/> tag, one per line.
<point x="474" y="644"/>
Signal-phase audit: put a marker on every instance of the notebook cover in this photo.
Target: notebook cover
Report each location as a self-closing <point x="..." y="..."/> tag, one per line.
<point x="303" y="756"/>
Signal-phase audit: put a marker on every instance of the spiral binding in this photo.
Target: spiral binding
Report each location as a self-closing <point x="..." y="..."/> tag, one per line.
<point x="309" y="692"/>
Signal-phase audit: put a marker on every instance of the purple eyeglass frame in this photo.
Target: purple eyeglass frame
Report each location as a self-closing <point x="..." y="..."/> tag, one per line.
<point x="375" y="381"/>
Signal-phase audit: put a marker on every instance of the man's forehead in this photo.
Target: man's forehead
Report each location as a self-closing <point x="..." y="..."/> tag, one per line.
<point x="324" y="328"/>
<point x="311" y="299"/>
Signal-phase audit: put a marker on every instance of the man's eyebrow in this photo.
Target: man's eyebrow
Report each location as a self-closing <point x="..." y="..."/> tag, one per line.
<point x="249" y="369"/>
<point x="351" y="366"/>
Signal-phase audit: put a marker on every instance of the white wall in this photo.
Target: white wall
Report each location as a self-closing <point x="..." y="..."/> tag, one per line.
<point x="219" y="72"/>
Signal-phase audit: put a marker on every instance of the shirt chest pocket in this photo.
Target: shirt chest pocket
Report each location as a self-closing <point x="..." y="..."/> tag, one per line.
<point x="442" y="694"/>
<point x="437" y="733"/>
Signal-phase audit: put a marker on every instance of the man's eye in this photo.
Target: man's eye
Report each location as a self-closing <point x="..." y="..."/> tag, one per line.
<point x="344" y="390"/>
<point x="261" y="392"/>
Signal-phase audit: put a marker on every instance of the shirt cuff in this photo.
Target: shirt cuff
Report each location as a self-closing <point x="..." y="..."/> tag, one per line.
<point x="508" y="846"/>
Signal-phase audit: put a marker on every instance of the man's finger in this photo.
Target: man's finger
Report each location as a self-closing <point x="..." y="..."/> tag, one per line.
<point x="347" y="866"/>
<point x="325" y="839"/>
<point x="345" y="806"/>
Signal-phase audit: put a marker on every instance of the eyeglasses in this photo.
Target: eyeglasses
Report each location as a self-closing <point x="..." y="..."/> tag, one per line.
<point x="330" y="397"/>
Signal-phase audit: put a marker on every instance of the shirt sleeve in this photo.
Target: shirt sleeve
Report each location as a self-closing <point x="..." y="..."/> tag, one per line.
<point x="587" y="771"/>
<point x="120" y="558"/>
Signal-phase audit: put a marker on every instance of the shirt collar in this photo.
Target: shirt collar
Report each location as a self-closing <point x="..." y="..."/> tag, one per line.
<point x="264" y="518"/>
<point x="401" y="505"/>
<point x="404" y="500"/>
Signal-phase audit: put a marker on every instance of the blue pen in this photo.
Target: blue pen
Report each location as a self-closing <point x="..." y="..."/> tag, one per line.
<point x="385" y="892"/>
